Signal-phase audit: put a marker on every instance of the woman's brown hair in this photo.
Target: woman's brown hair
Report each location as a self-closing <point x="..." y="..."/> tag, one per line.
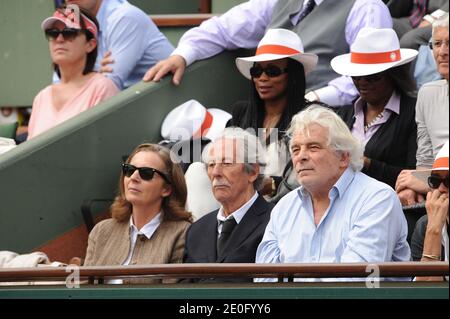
<point x="173" y="206"/>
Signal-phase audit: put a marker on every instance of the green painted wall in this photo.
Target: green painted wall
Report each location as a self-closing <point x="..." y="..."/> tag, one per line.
<point x="221" y="6"/>
<point x="25" y="65"/>
<point x="174" y="34"/>
<point x="44" y="181"/>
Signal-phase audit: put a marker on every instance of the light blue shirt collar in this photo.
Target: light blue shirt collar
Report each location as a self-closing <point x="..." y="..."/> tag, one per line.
<point x="338" y="188"/>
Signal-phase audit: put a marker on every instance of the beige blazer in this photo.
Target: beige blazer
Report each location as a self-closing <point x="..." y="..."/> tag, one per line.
<point x="109" y="245"/>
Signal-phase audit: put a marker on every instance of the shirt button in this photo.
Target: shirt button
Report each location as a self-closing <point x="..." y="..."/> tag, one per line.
<point x="142" y="238"/>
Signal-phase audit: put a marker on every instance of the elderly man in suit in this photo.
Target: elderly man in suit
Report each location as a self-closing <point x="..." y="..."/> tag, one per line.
<point x="231" y="234"/>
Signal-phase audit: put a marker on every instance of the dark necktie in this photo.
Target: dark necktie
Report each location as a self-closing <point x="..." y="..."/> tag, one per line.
<point x="309" y="7"/>
<point x="227" y="229"/>
<point x="419" y="11"/>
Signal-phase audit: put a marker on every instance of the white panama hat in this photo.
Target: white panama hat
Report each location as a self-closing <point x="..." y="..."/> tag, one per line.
<point x="373" y="51"/>
<point x="440" y="164"/>
<point x="192" y="120"/>
<point x="278" y="44"/>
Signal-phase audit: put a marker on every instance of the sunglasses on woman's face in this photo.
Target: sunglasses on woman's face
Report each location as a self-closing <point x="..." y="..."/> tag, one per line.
<point x="146" y="173"/>
<point x="271" y="71"/>
<point x="434" y="181"/>
<point x="68" y="33"/>
<point x="369" y="78"/>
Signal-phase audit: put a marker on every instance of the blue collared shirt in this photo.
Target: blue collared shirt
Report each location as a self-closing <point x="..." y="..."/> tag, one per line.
<point x="134" y="40"/>
<point x="364" y="223"/>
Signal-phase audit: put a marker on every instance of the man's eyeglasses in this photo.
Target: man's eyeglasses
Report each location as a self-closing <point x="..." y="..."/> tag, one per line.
<point x="146" y="173"/>
<point x="271" y="71"/>
<point x="434" y="181"/>
<point x="437" y="44"/>
<point x="372" y="78"/>
<point x="68" y="33"/>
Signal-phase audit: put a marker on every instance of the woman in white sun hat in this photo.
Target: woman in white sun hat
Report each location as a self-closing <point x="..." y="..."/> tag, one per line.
<point x="429" y="241"/>
<point x="383" y="117"/>
<point x="277" y="73"/>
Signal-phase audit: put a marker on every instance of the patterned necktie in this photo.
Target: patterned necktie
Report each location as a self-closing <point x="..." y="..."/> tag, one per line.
<point x="227" y="229"/>
<point x="420" y="9"/>
<point x="309" y="7"/>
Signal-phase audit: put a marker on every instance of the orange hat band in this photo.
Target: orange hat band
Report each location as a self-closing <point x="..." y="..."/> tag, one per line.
<point x="374" y="58"/>
<point x="441" y="162"/>
<point x="207" y="122"/>
<point x="276" y="49"/>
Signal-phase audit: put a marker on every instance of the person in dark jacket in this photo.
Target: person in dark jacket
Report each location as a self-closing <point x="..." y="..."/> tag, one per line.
<point x="383" y="117"/>
<point x="235" y="161"/>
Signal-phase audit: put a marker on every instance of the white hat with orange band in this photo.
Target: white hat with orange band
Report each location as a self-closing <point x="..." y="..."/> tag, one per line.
<point x="440" y="164"/>
<point x="373" y="51"/>
<point x="70" y="16"/>
<point x="193" y="120"/>
<point x="278" y="44"/>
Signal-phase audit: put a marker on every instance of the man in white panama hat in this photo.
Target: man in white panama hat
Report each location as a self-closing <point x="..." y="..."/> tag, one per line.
<point x="323" y="33"/>
<point x="431" y="233"/>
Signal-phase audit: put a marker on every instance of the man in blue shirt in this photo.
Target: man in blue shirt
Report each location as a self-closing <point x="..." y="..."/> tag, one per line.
<point x="128" y="39"/>
<point x="338" y="214"/>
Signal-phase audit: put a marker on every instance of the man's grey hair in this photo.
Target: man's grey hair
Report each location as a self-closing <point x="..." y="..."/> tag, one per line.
<point x="250" y="151"/>
<point x="442" y="22"/>
<point x="339" y="136"/>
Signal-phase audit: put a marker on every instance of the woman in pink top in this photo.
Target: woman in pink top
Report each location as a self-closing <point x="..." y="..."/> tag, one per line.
<point x="72" y="35"/>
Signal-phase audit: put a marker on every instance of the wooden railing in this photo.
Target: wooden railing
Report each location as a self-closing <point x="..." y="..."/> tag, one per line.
<point x="180" y="20"/>
<point x="280" y="271"/>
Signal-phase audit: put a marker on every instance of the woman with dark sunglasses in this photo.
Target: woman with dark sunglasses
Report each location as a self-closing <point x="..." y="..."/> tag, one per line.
<point x="72" y="36"/>
<point x="149" y="219"/>
<point x="430" y="240"/>
<point x="277" y="74"/>
<point x="383" y="117"/>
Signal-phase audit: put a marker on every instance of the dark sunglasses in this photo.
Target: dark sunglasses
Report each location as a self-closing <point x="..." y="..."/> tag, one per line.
<point x="271" y="71"/>
<point x="68" y="33"/>
<point x="369" y="78"/>
<point x="146" y="173"/>
<point x="434" y="181"/>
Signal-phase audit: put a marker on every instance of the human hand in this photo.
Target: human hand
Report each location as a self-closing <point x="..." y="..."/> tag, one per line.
<point x="423" y="24"/>
<point x="312" y="96"/>
<point x="105" y="62"/>
<point x="409" y="197"/>
<point x="437" y="209"/>
<point x="174" y="64"/>
<point x="407" y="180"/>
